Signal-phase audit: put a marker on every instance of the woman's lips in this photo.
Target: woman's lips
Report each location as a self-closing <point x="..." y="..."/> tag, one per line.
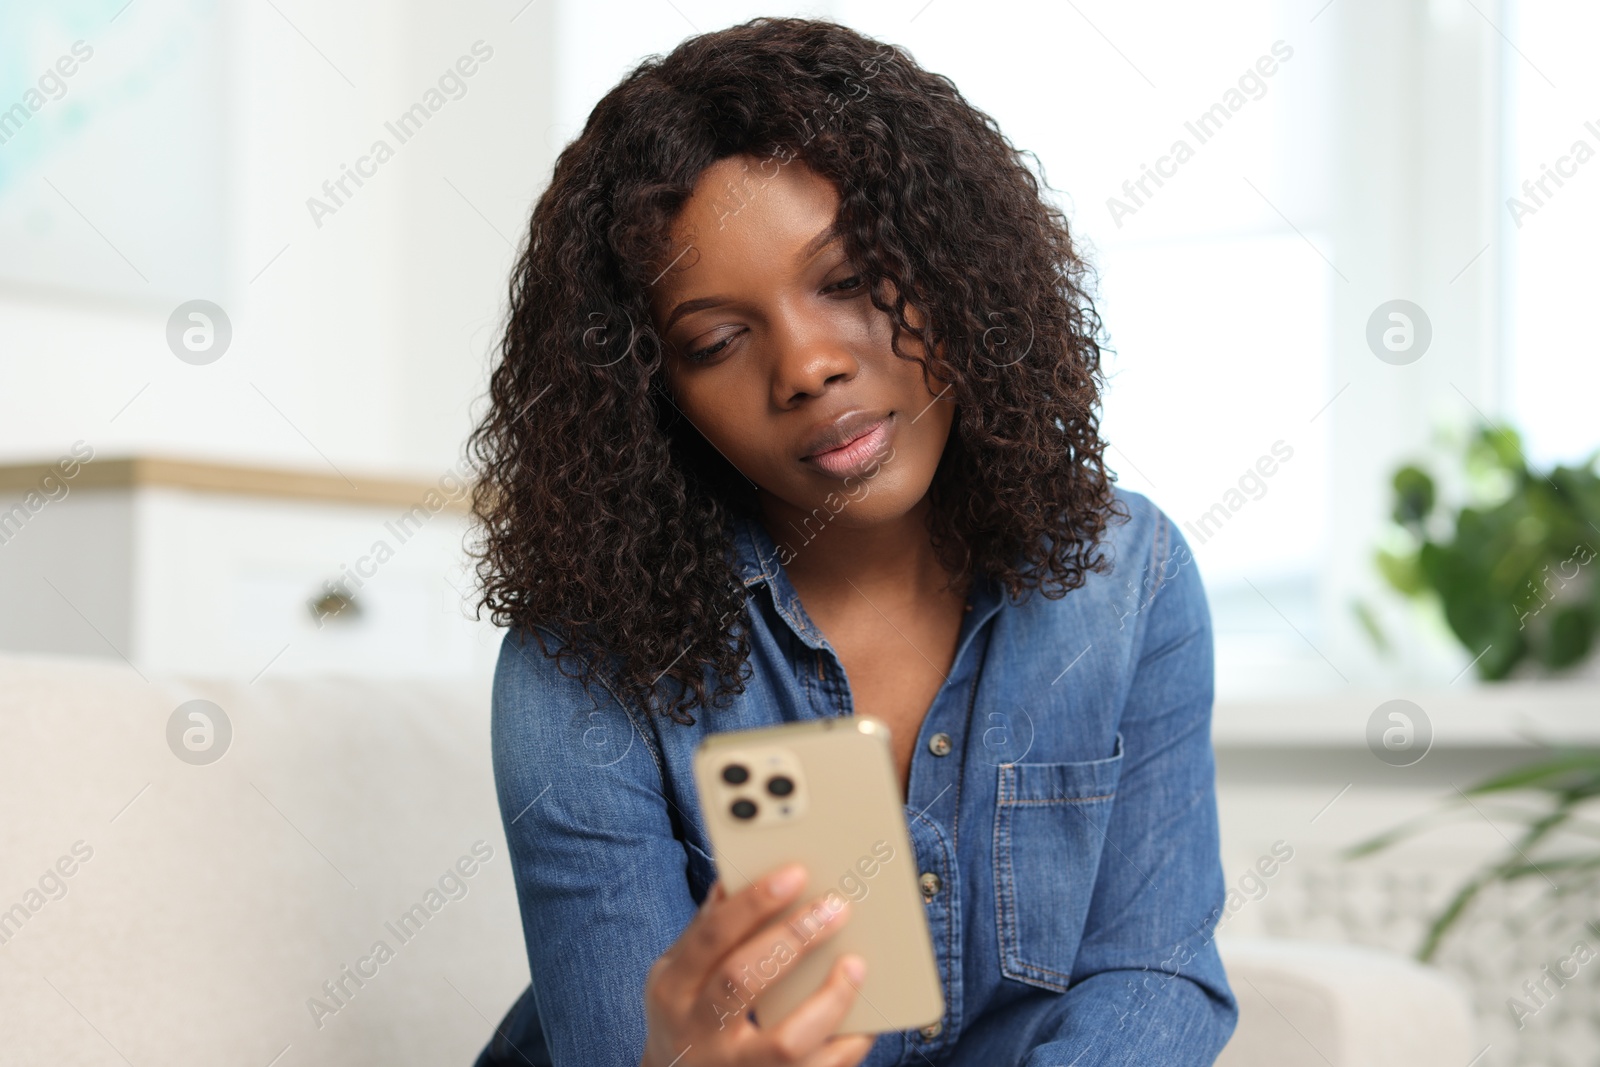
<point x="853" y="458"/>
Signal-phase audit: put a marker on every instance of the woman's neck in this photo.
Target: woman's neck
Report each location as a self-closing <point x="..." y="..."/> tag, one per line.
<point x="835" y="563"/>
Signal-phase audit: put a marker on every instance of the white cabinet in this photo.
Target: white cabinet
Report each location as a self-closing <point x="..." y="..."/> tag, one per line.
<point x="218" y="570"/>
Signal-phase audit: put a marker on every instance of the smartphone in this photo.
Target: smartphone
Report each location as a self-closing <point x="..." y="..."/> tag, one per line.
<point x="825" y="794"/>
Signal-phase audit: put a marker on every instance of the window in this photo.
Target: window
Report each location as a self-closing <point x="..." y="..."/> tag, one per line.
<point x="1550" y="220"/>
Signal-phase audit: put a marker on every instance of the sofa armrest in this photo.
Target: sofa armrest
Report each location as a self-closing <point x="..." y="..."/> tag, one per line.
<point x="1332" y="1005"/>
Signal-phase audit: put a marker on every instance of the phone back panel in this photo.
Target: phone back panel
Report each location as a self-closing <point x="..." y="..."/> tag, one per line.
<point x="845" y="821"/>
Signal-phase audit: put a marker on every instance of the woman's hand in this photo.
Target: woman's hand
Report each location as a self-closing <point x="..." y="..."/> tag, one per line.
<point x="697" y="996"/>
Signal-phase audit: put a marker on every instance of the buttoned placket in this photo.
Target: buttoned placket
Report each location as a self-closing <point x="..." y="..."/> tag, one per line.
<point x="933" y="816"/>
<point x="937" y="760"/>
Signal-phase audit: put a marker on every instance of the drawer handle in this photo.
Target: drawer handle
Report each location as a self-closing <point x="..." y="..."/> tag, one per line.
<point x="332" y="604"/>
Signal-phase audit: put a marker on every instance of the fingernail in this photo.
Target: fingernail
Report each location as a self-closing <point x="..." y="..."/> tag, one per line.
<point x="855" y="968"/>
<point x="786" y="881"/>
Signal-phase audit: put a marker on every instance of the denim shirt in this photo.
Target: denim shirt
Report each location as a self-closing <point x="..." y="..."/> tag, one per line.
<point x="1073" y="922"/>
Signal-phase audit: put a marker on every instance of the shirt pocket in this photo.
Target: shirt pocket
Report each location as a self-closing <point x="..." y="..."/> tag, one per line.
<point x="1049" y="829"/>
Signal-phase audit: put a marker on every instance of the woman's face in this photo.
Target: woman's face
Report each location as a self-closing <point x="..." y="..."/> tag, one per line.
<point x="775" y="352"/>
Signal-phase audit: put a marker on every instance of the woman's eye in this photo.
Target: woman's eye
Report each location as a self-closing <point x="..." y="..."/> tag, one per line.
<point x="700" y="355"/>
<point x="703" y="354"/>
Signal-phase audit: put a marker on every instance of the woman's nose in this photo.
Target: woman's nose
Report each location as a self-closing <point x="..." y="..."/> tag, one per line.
<point x="807" y="359"/>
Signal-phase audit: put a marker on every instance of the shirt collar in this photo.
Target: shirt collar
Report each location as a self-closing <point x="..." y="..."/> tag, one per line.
<point x="755" y="553"/>
<point x="756" y="559"/>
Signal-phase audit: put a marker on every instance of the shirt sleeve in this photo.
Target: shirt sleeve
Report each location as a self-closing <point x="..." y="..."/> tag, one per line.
<point x="1148" y="985"/>
<point x="601" y="878"/>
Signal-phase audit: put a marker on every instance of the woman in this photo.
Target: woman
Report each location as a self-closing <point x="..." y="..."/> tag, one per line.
<point x="797" y="417"/>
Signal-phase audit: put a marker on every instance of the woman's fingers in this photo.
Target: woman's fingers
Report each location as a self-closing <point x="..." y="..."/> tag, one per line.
<point x="845" y="1051"/>
<point x="736" y="947"/>
<point x="723" y="923"/>
<point x="817" y="1017"/>
<point x="745" y="973"/>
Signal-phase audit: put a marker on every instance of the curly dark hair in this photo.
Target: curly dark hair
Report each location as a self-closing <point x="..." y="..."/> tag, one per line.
<point x="605" y="518"/>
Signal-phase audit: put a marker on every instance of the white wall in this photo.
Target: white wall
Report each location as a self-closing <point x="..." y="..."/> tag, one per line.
<point x="358" y="345"/>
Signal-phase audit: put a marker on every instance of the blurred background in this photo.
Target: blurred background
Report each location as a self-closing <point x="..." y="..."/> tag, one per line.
<point x="253" y="261"/>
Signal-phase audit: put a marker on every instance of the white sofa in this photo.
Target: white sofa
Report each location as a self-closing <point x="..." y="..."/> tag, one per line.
<point x="1309" y="1004"/>
<point x="186" y="913"/>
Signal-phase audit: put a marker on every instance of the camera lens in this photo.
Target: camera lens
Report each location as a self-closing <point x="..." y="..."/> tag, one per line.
<point x="744" y="809"/>
<point x="735" y="774"/>
<point x="780" y="785"/>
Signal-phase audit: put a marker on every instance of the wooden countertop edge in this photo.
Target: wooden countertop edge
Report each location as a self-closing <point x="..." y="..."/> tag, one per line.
<point x="136" y="472"/>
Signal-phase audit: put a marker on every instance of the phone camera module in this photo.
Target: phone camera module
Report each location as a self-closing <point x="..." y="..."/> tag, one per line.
<point x="735" y="774"/>
<point x="744" y="809"/>
<point x="780" y="785"/>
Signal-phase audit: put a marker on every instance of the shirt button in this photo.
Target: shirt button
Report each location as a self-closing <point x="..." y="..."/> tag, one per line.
<point x="930" y="1031"/>
<point x="939" y="744"/>
<point x="930" y="884"/>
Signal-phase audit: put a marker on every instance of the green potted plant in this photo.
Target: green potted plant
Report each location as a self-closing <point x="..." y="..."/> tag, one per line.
<point x="1513" y="569"/>
<point x="1512" y="566"/>
<point x="1557" y="843"/>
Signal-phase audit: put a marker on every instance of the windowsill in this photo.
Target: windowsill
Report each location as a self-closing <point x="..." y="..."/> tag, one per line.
<point x="1514" y="715"/>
